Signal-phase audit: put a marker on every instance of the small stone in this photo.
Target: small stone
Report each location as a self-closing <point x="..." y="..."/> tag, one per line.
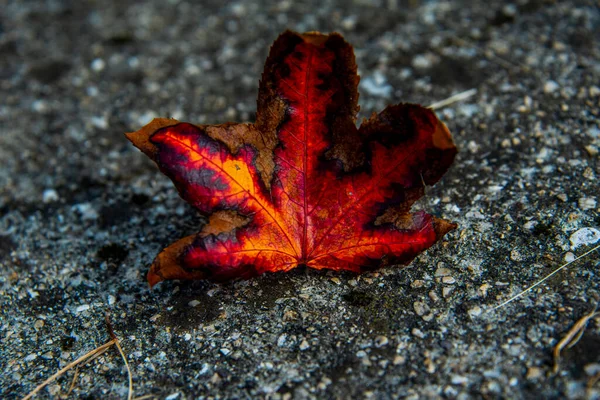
<point x="448" y="280"/>
<point x="530" y="225"/>
<point x="325" y="381"/>
<point x="447" y="291"/>
<point x="381" y="341"/>
<point x="584" y="237"/>
<point x="587" y="203"/>
<point x="418" y="333"/>
<point x="92" y="91"/>
<point x="281" y="340"/>
<point x="376" y="85"/>
<point x="49" y="196"/>
<point x="38" y="324"/>
<point x="594" y="91"/>
<point x="500" y="47"/>
<point x="98" y="65"/>
<point x="592" y="150"/>
<point x="54" y="390"/>
<point x="83" y="307"/>
<point x="225" y="351"/>
<point x="87" y="211"/>
<point x="428" y="317"/>
<point x="569" y="257"/>
<point x="193" y="303"/>
<point x="304" y="345"/>
<point x="398" y="360"/>
<point x="510" y="10"/>
<point x="100" y="122"/>
<point x="459" y="380"/>
<point x="475" y="312"/>
<point x="40" y="106"/>
<point x="215" y="379"/>
<point x="429" y="365"/>
<point x="534" y="334"/>
<point x="588" y="173"/>
<point x="418" y="283"/>
<point x="421" y="308"/>
<point x="290" y="315"/>
<point x="550" y="87"/>
<point x="562" y="197"/>
<point x="31" y="357"/>
<point x="349" y="23"/>
<point x="515" y="255"/>
<point x="483" y="289"/>
<point x="424" y="61"/>
<point x="440" y="272"/>
<point x="534" y="373"/>
<point x="433" y="296"/>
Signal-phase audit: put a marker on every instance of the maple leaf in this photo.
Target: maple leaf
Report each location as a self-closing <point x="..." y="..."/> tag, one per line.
<point x="302" y="185"/>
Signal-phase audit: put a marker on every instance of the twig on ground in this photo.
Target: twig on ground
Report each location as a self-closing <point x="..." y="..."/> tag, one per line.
<point x="74" y="380"/>
<point x="87" y="357"/>
<point x="592" y="381"/>
<point x="572" y="337"/>
<point x="69" y="366"/>
<point x="550" y="275"/>
<point x="114" y="337"/>
<point x="453" y="99"/>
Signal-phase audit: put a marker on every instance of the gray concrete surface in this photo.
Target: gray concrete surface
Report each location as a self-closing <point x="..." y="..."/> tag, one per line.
<point x="83" y="213"/>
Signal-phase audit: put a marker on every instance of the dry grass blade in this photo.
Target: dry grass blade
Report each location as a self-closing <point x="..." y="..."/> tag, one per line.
<point x="74" y="380"/>
<point x="76" y="374"/>
<point x="116" y="340"/>
<point x="69" y="366"/>
<point x="593" y="380"/>
<point x="89" y="356"/>
<point x="572" y="337"/>
<point x="453" y="99"/>
<point x="550" y="275"/>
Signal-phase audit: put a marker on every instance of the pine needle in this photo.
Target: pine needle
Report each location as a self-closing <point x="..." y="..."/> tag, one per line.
<point x="68" y="367"/>
<point x="593" y="380"/>
<point x="87" y="357"/>
<point x="453" y="99"/>
<point x="550" y="275"/>
<point x="572" y="337"/>
<point x="116" y="340"/>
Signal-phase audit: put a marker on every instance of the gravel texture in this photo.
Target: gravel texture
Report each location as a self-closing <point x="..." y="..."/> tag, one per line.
<point x="83" y="213"/>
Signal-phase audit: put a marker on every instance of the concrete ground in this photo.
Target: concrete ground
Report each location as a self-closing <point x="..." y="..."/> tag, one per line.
<point x="83" y="213"/>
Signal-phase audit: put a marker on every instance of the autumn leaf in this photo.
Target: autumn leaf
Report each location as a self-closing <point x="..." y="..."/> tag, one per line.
<point x="302" y="185"/>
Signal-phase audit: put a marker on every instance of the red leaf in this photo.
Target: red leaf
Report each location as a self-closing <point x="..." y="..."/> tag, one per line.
<point x="302" y="185"/>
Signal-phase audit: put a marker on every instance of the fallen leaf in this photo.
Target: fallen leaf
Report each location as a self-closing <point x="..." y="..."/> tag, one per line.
<point x="302" y="185"/>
